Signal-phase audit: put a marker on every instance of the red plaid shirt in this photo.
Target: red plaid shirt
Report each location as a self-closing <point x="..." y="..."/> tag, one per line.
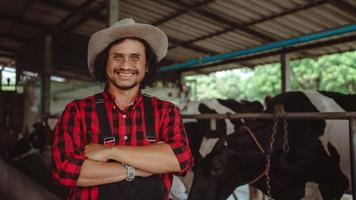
<point x="79" y="125"/>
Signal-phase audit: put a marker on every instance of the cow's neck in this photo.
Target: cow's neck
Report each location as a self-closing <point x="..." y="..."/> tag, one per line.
<point x="252" y="138"/>
<point x="251" y="149"/>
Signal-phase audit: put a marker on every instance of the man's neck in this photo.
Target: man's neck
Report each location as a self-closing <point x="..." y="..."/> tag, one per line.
<point x="123" y="97"/>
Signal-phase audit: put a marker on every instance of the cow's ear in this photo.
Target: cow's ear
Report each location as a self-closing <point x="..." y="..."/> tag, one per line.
<point x="205" y="109"/>
<point x="220" y="145"/>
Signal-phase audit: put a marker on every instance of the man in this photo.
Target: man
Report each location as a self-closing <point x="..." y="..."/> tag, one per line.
<point x="115" y="145"/>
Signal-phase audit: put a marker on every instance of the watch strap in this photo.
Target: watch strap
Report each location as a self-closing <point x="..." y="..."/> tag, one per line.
<point x="130" y="172"/>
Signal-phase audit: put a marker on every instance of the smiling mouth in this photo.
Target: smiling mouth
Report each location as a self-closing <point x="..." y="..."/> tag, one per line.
<point x="125" y="73"/>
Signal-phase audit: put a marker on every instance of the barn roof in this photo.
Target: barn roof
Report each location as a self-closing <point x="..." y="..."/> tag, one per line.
<point x="195" y="28"/>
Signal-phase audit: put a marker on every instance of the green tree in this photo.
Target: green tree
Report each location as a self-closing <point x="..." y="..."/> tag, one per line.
<point x="335" y="72"/>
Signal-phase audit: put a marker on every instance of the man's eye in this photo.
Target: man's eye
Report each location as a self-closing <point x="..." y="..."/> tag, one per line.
<point x="118" y="58"/>
<point x="135" y="58"/>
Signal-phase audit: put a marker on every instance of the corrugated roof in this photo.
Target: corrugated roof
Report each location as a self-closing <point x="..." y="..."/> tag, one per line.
<point x="195" y="28"/>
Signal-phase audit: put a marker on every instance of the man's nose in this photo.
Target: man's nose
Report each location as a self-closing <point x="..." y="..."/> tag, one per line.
<point x="126" y="64"/>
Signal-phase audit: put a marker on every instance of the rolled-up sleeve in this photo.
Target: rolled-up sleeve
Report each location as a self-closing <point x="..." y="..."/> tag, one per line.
<point x="176" y="137"/>
<point x="67" y="155"/>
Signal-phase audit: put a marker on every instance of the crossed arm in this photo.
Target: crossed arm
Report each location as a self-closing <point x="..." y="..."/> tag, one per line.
<point x="148" y="160"/>
<point x="73" y="166"/>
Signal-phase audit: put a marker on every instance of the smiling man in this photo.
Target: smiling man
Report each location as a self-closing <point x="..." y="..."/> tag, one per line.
<point x="121" y="144"/>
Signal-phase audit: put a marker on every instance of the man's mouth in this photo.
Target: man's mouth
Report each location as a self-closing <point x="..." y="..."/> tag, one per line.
<point x="125" y="73"/>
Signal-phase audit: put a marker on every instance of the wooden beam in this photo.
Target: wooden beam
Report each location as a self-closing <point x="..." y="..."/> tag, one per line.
<point x="18" y="20"/>
<point x="22" y="12"/>
<point x="63" y="6"/>
<point x="65" y="21"/>
<point x="14" y="37"/>
<point x="24" y="21"/>
<point x="59" y="5"/>
<point x="85" y="16"/>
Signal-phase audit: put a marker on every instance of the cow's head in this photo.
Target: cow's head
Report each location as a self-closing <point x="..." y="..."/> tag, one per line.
<point x="223" y="169"/>
<point x="197" y="130"/>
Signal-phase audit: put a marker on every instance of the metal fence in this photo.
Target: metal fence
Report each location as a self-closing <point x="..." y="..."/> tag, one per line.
<point x="351" y="116"/>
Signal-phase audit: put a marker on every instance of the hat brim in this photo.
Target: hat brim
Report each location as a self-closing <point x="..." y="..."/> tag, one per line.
<point x="100" y="40"/>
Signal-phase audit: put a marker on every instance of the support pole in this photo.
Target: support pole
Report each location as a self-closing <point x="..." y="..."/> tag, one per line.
<point x="46" y="76"/>
<point x="285" y="73"/>
<point x="352" y="139"/>
<point x="1" y="69"/>
<point x="113" y="12"/>
<point x="19" y="69"/>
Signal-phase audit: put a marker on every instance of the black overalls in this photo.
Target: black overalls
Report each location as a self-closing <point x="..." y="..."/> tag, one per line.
<point x="141" y="188"/>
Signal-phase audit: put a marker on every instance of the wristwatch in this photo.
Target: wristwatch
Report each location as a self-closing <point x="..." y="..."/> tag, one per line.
<point x="130" y="172"/>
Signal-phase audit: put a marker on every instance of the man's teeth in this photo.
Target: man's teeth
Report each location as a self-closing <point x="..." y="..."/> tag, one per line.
<point x="126" y="74"/>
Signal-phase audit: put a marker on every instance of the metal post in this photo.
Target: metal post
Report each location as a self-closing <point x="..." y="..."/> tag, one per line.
<point x="46" y="75"/>
<point x="285" y="73"/>
<point x="1" y="69"/>
<point x="113" y="11"/>
<point x="352" y="126"/>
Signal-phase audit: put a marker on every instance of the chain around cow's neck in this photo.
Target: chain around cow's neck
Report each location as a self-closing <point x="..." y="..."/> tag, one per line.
<point x="278" y="109"/>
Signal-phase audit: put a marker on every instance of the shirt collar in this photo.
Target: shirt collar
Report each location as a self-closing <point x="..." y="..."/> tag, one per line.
<point x="136" y="101"/>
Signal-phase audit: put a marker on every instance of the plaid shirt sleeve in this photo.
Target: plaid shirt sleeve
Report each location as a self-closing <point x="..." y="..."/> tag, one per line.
<point x="67" y="154"/>
<point x="176" y="137"/>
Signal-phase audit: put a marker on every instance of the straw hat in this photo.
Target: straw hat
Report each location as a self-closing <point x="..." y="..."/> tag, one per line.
<point x="155" y="37"/>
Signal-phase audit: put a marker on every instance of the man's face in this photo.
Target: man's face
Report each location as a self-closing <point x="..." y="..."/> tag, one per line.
<point x="126" y="65"/>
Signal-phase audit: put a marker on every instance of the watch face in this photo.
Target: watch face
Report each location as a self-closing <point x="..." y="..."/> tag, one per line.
<point x="130" y="173"/>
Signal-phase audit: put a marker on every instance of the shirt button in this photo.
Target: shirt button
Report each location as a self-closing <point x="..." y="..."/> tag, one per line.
<point x="124" y="116"/>
<point x="125" y="137"/>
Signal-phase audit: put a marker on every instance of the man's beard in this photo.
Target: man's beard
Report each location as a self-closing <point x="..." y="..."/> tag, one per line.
<point x="124" y="87"/>
<point x="117" y="84"/>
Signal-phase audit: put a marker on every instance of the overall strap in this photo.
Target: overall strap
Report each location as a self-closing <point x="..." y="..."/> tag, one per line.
<point x="149" y="117"/>
<point x="104" y="126"/>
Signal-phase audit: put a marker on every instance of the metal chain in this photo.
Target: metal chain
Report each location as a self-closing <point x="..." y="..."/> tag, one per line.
<point x="278" y="109"/>
<point x="285" y="142"/>
<point x="268" y="157"/>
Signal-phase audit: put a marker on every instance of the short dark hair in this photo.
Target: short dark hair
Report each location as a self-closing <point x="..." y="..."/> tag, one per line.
<point x="102" y="60"/>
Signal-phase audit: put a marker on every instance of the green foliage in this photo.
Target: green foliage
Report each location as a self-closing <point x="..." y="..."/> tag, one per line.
<point x="335" y="72"/>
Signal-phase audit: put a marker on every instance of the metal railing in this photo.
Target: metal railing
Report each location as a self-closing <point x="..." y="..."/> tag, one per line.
<point x="351" y="116"/>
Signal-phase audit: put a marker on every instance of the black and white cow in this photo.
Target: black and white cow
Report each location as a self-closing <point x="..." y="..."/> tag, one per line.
<point x="318" y="153"/>
<point x="203" y="134"/>
<point x="31" y="155"/>
<point x="28" y="144"/>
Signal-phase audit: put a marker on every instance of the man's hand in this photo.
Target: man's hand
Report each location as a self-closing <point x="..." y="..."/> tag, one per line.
<point x="98" y="152"/>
